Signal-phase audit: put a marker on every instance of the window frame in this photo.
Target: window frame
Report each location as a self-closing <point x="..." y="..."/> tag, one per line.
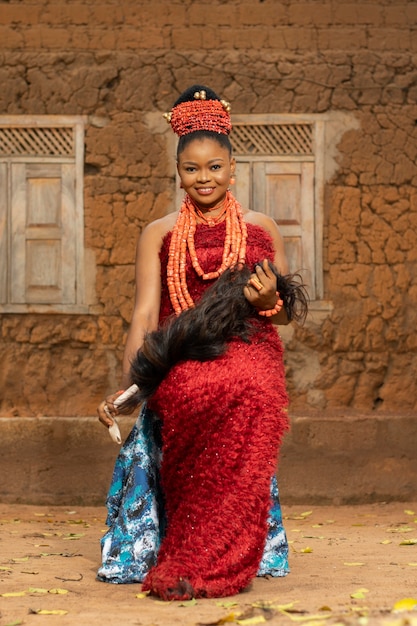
<point x="77" y="123"/>
<point x="317" y="158"/>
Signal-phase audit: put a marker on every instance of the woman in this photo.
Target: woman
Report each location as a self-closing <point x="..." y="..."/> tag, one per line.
<point x="222" y="419"/>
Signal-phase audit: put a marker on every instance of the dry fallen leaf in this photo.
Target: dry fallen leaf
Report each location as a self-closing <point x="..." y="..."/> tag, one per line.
<point x="257" y="619"/>
<point x="401" y="529"/>
<point x="227" y="619"/>
<point x="305" y="618"/>
<point x="359" y="594"/>
<point x="187" y="603"/>
<point x="228" y="604"/>
<point x="13" y="594"/>
<point x="49" y="612"/>
<point x="73" y="536"/>
<point x="406" y="604"/>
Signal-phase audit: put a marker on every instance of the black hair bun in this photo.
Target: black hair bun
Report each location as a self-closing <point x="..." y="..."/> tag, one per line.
<point x="188" y="94"/>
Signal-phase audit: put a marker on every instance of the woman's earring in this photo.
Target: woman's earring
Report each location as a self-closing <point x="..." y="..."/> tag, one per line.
<point x="232" y="179"/>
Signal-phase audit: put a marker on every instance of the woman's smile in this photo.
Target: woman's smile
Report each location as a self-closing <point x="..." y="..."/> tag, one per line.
<point x="205" y="191"/>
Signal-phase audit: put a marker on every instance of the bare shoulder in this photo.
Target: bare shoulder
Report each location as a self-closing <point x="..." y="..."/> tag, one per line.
<point x="156" y="230"/>
<point x="270" y="225"/>
<point x="260" y="219"/>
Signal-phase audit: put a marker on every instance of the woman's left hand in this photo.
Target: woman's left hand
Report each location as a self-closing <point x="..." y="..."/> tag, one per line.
<point x="261" y="289"/>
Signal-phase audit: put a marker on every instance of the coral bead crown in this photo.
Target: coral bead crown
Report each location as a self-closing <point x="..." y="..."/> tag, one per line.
<point x="200" y="114"/>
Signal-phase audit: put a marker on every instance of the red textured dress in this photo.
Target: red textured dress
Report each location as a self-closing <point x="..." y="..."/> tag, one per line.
<point x="223" y="422"/>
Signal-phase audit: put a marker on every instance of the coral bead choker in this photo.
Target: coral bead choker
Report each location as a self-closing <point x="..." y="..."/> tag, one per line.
<point x="211" y="220"/>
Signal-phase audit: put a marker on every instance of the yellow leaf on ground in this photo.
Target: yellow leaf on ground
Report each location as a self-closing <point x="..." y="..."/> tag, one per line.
<point x="58" y="591"/>
<point x="306" y="550"/>
<point x="51" y="612"/>
<point x="408" y="512"/>
<point x="191" y="602"/>
<point x="13" y="594"/>
<point x="386" y="542"/>
<point x="359" y="594"/>
<point x="231" y="617"/>
<point x="140" y="596"/>
<point x="401" y="529"/>
<point x="270" y="604"/>
<point x="305" y="618"/>
<point x="353" y="564"/>
<point x="406" y="604"/>
<point x="258" y="619"/>
<point x="37" y="590"/>
<point x="408" y="542"/>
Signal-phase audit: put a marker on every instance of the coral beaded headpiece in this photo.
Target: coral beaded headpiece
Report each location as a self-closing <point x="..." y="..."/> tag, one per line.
<point x="200" y="114"/>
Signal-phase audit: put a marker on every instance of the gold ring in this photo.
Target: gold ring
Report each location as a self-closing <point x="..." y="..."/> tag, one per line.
<point x="256" y="283"/>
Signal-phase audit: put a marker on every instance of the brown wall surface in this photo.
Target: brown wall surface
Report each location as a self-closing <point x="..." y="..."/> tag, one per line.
<point x="117" y="62"/>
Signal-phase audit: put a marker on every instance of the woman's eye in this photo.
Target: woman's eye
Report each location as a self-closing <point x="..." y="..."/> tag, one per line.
<point x="215" y="167"/>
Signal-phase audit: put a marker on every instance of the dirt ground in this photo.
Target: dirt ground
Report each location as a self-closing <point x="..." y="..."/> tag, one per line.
<point x="349" y="565"/>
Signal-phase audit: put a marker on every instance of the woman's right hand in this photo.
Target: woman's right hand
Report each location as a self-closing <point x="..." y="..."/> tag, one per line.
<point x="106" y="410"/>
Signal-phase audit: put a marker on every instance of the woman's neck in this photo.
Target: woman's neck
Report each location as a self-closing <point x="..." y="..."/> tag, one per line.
<point x="210" y="215"/>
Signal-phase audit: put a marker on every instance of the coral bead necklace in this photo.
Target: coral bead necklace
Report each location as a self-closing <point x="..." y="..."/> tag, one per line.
<point x="234" y="251"/>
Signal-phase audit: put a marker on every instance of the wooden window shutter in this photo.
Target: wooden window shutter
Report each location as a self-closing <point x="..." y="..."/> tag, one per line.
<point x="285" y="192"/>
<point x="43" y="264"/>
<point x="280" y="172"/>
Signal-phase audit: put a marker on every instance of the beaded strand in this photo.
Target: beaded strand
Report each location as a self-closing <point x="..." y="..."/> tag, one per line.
<point x="234" y="252"/>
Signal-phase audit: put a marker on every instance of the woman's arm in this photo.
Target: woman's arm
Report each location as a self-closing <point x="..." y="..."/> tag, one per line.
<point x="266" y="298"/>
<point x="145" y="314"/>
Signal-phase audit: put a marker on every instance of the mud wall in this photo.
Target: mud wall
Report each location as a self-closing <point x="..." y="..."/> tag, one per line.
<point x="118" y="62"/>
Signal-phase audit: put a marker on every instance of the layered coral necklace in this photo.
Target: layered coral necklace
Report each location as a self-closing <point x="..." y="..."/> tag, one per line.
<point x="234" y="251"/>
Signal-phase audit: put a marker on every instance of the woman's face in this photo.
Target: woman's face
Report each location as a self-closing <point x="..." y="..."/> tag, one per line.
<point x="205" y="167"/>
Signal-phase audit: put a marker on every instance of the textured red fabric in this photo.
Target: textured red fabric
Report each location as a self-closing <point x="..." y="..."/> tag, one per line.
<point x="209" y="243"/>
<point x="223" y="421"/>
